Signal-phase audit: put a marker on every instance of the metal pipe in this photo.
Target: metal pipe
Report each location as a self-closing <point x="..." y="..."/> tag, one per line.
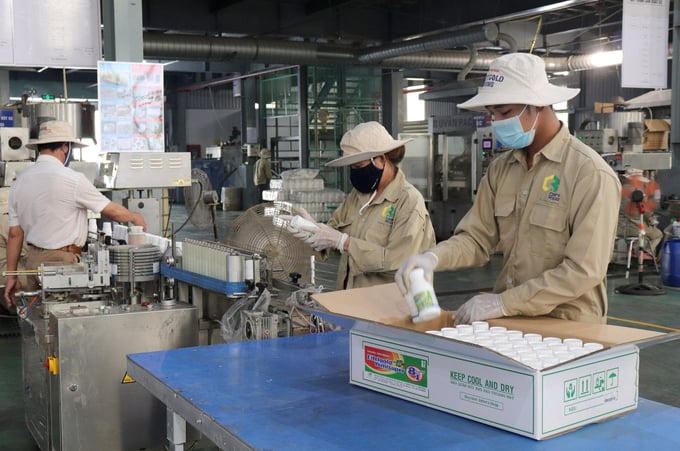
<point x="470" y="64"/>
<point x="210" y="48"/>
<point x="512" y="43"/>
<point x="488" y="32"/>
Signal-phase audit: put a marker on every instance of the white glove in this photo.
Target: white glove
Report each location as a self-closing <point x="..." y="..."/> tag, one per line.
<point x="428" y="261"/>
<point x="303" y="230"/>
<point x="327" y="238"/>
<point x="478" y="308"/>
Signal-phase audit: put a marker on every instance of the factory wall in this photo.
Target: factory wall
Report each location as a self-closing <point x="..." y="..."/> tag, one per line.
<point x="210" y="127"/>
<point x="202" y="116"/>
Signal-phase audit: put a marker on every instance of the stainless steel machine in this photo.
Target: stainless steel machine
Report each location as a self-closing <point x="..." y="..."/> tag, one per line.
<point x="446" y="163"/>
<point x="77" y="330"/>
<point x="619" y="142"/>
<point x="140" y="173"/>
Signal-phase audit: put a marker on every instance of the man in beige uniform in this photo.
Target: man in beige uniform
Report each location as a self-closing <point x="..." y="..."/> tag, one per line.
<point x="262" y="173"/>
<point x="383" y="219"/>
<point x="48" y="207"/>
<point x="551" y="204"/>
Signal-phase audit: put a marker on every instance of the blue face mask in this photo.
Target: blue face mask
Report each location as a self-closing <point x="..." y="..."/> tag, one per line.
<point x="510" y="132"/>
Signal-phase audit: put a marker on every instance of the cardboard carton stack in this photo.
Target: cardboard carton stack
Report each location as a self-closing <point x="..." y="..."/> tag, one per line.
<point x="656" y="134"/>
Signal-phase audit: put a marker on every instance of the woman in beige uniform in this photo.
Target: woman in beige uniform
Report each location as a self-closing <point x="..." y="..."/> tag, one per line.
<point x="383" y="219"/>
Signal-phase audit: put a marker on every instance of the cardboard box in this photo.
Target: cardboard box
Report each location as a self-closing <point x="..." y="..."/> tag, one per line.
<point x="604" y="107"/>
<point x="656" y="134"/>
<point x="391" y="355"/>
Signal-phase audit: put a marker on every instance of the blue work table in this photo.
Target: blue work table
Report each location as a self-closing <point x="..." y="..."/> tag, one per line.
<point x="294" y="394"/>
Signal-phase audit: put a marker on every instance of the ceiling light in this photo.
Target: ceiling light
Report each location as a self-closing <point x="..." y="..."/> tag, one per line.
<point x="611" y="58"/>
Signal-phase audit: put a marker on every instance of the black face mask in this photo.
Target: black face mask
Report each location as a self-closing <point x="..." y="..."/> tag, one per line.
<point x="366" y="179"/>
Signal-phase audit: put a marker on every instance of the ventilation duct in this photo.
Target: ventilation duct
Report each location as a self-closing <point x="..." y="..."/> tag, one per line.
<point x="488" y="32"/>
<point x="207" y="48"/>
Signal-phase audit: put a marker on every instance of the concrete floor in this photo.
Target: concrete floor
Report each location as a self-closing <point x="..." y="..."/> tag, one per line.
<point x="659" y="366"/>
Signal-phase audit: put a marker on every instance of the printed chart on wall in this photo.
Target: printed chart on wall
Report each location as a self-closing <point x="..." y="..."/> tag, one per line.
<point x="131" y="106"/>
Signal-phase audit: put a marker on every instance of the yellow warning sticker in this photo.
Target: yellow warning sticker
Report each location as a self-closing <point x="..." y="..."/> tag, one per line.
<point x="127" y="379"/>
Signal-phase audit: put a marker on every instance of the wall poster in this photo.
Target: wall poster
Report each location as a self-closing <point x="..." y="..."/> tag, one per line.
<point x="131" y="106"/>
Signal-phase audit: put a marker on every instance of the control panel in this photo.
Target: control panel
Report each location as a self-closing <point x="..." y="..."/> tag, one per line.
<point x="603" y="141"/>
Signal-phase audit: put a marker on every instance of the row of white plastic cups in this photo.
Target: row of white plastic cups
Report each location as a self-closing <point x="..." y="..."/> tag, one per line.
<point x="531" y="349"/>
<point x="521" y="341"/>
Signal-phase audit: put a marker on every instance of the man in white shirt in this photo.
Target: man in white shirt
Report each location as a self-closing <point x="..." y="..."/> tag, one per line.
<point x="48" y="207"/>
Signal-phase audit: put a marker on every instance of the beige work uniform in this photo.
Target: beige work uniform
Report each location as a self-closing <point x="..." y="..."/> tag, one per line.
<point x="394" y="226"/>
<point x="556" y="225"/>
<point x="262" y="173"/>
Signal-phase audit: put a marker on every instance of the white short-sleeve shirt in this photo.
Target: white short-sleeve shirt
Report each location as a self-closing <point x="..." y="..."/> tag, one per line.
<point x="50" y="202"/>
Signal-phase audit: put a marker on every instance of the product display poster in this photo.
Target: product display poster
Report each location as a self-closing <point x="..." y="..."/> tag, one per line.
<point x="131" y="106"/>
<point x="645" y="44"/>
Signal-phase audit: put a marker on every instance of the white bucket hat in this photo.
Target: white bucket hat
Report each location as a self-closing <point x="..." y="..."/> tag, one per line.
<point x="54" y="132"/>
<point x="517" y="78"/>
<point x="365" y="141"/>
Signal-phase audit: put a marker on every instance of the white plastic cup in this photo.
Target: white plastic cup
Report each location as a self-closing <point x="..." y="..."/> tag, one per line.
<point x="479" y="326"/>
<point x="549" y="340"/>
<point x="530" y="361"/>
<point x="498" y="330"/>
<point x="533" y="338"/>
<point x="543" y="353"/>
<point x="449" y="332"/>
<point x="487" y="342"/>
<point x="502" y="347"/>
<point x="514" y="334"/>
<point x="465" y="329"/>
<point x="573" y="342"/>
<point x="564" y="356"/>
<point x="500" y="339"/>
<point x="557" y="347"/>
<point x="549" y="360"/>
<point x="538" y="345"/>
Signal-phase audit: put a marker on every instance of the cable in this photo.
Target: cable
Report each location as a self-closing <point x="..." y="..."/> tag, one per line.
<point x="538" y="30"/>
<point x="198" y="199"/>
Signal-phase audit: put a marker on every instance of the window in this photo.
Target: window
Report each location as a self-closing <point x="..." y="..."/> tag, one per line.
<point x="415" y="107"/>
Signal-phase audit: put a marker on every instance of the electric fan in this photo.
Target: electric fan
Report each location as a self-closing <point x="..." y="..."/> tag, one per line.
<point x="259" y="230"/>
<point x="639" y="195"/>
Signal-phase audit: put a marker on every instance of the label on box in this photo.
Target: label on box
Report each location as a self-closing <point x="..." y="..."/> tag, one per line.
<point x="395" y="369"/>
<point x="456" y="384"/>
